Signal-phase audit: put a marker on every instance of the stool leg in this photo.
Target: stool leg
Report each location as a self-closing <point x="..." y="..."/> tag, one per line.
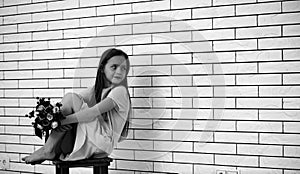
<point x="64" y="170"/>
<point x="57" y="169"/>
<point x="100" y="170"/>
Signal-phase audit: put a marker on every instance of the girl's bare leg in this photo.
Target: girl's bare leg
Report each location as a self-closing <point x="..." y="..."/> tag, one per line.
<point x="70" y="103"/>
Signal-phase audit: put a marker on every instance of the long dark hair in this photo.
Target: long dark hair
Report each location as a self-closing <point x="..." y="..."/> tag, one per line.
<point x="101" y="80"/>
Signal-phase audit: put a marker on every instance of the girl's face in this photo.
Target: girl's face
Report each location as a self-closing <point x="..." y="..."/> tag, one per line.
<point x="115" y="70"/>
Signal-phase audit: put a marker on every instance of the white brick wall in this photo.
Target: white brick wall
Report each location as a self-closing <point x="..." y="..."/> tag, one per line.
<point x="214" y="83"/>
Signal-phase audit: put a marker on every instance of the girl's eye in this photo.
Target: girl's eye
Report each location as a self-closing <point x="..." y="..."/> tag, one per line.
<point x="123" y="68"/>
<point x="113" y="67"/>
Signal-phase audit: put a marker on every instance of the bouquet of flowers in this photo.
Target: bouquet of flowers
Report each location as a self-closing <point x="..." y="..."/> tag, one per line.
<point x="47" y="117"/>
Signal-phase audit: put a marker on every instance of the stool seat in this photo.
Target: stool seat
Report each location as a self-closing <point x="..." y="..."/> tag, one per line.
<point x="100" y="165"/>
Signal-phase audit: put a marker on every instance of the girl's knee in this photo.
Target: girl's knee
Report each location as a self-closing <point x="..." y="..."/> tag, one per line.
<point x="71" y="102"/>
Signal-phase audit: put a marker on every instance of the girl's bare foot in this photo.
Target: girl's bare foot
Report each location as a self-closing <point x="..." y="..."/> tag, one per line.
<point x="39" y="156"/>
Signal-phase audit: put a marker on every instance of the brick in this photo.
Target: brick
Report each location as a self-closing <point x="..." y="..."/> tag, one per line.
<point x="287" y="115"/>
<point x="173" y="167"/>
<point x="275" y="19"/>
<point x="150" y="6"/>
<point x="192" y="92"/>
<point x="236" y="137"/>
<point x="172" y="37"/>
<point x="48" y="92"/>
<point x="214" y="80"/>
<point x="279" y="67"/>
<point x="258" y="56"/>
<point x="291" y="54"/>
<point x="172" y="124"/>
<point x="235" y="114"/>
<point x="213" y="125"/>
<point x="275" y="43"/>
<point x="171" y="15"/>
<point x="17" y="37"/>
<point x="38" y="26"/>
<point x="17" y="74"/>
<point x="9" y="84"/>
<point x="48" y="73"/>
<point x="290" y="6"/>
<point x="193" y="136"/>
<point x="47" y="54"/>
<point x="227" y="2"/>
<point x="258" y="32"/>
<point x="141" y="124"/>
<point x="135" y="165"/>
<point x="236" y="91"/>
<point x="136" y="144"/>
<point x="15" y="2"/>
<point x="234" y="22"/>
<point x="46" y="16"/>
<point x="86" y="3"/>
<point x="141" y="102"/>
<point x="8" y="65"/>
<point x="236" y="160"/>
<point x="213" y="103"/>
<point x="152" y="49"/>
<point x="151" y="27"/>
<point x="279" y="91"/>
<point x="27" y="46"/>
<point x="128" y="154"/>
<point x="9" y="120"/>
<point x="9" y="138"/>
<point x="50" y="169"/>
<point x="114" y="30"/>
<point x="12" y="10"/>
<point x="211" y="12"/>
<point x="153" y="156"/>
<point x="172" y="81"/>
<point x="96" y="41"/>
<point x="191" y="69"/>
<point x="17" y="19"/>
<point x="259" y="8"/>
<point x="64" y="83"/>
<point x="62" y="24"/>
<point x="215" y="148"/>
<point x="133" y="39"/>
<point x="9" y="28"/>
<point x="213" y="57"/>
<point x="173" y="146"/>
<point x="133" y="18"/>
<point x="187" y="47"/>
<point x="247" y="170"/>
<point x="8" y="47"/>
<point x="259" y="103"/>
<point x="291" y="79"/>
<point x="259" y="126"/>
<point x="19" y="129"/>
<point x="84" y="32"/>
<point x="47" y="35"/>
<point x="229" y="45"/>
<point x="259" y="79"/>
<point x="32" y="8"/>
<point x="172" y="102"/>
<point x="33" y="83"/>
<point x="191" y="25"/>
<point x="82" y="72"/>
<point x="33" y="65"/>
<point x="152" y="92"/>
<point x="291" y="30"/>
<point x="114" y="9"/>
<point x="151" y="70"/>
<point x="213" y="34"/>
<point x="77" y="13"/>
<point x="291" y="103"/>
<point x="175" y="4"/>
<point x="291" y="163"/>
<point x="281" y="139"/>
<point x="292" y="151"/>
<point x="266" y="150"/>
<point x="18" y="93"/>
<point x="237" y="68"/>
<point x="70" y="43"/>
<point x="152" y="134"/>
<point x="139" y="81"/>
<point x="192" y="114"/>
<point x="291" y="127"/>
<point x="22" y="167"/>
<point x="193" y="158"/>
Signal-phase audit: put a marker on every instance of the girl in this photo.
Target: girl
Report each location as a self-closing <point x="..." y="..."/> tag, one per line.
<point x="96" y="119"/>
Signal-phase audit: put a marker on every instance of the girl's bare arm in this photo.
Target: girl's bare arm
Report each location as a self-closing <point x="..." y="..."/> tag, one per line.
<point x="89" y="114"/>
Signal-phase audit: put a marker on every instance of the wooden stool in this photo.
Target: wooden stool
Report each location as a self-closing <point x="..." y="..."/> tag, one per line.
<point x="100" y="165"/>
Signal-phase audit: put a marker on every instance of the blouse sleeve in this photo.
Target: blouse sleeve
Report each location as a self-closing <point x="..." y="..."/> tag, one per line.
<point x="120" y="97"/>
